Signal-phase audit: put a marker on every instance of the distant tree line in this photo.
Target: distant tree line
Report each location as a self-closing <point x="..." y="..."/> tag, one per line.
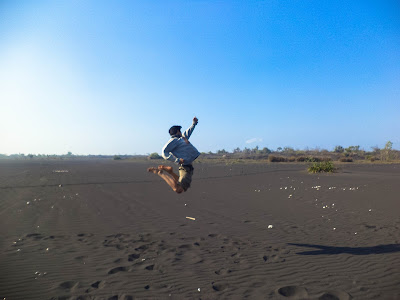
<point x="289" y="154"/>
<point x="68" y="156"/>
<point x="281" y="154"/>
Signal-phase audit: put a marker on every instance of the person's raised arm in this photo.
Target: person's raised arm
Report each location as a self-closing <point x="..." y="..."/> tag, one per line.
<point x="189" y="131"/>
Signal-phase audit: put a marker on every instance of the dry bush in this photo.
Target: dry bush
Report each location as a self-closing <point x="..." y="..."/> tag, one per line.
<point x="274" y="158"/>
<point x="372" y="158"/>
<point x="291" y="159"/>
<point x="346" y="159"/>
<point x="310" y="159"/>
<point x="326" y="158"/>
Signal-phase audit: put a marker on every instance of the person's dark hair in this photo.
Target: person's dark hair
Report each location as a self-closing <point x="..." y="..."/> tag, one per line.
<point x="174" y="129"/>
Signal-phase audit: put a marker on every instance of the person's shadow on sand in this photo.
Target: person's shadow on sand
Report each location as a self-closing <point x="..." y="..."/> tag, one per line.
<point x="329" y="250"/>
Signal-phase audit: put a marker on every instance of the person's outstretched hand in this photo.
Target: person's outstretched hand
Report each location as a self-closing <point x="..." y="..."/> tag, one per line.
<point x="195" y="121"/>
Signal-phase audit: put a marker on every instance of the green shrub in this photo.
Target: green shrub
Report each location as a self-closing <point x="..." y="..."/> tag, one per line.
<point x="155" y="156"/>
<point x="325" y="166"/>
<point x="339" y="149"/>
<point x="117" y="157"/>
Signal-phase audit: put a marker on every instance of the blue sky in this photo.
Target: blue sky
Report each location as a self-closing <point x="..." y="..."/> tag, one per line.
<point x="111" y="77"/>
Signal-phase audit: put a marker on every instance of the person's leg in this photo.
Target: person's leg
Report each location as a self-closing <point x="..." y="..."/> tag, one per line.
<point x="185" y="176"/>
<point x="170" y="171"/>
<point x="168" y="179"/>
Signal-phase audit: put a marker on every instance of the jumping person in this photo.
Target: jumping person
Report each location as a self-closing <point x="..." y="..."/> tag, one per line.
<point x="179" y="150"/>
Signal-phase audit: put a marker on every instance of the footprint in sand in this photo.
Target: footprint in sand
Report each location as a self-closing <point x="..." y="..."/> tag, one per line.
<point x="85" y="235"/>
<point x="121" y="241"/>
<point x="133" y="256"/>
<point x="123" y="297"/>
<point x="223" y="271"/>
<point x="95" y="285"/>
<point x="212" y="235"/>
<point x="219" y="287"/>
<point x="277" y="258"/>
<point x="81" y="297"/>
<point x="147" y="237"/>
<point x="80" y="257"/>
<point x="84" y="238"/>
<point x="185" y="246"/>
<point x="69" y="285"/>
<point x="118" y="269"/>
<point x="335" y="295"/>
<point x="162" y="246"/>
<point x="142" y="248"/>
<point x="36" y="236"/>
<point x="293" y="292"/>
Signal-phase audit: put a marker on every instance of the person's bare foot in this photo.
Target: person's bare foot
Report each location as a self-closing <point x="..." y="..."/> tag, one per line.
<point x="165" y="168"/>
<point x="154" y="170"/>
